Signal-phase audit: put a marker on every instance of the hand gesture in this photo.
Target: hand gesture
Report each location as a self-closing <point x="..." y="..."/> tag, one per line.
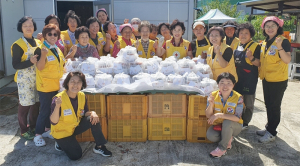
<point x="94" y="119"/>
<point x="155" y="45"/>
<point x="213" y="118"/>
<point x="203" y="55"/>
<point x="73" y="49"/>
<point x="33" y="59"/>
<point x="99" y="46"/>
<point x="279" y="42"/>
<point x="217" y="49"/>
<point x="211" y="99"/>
<point x="249" y="54"/>
<point x="44" y="51"/>
<point x="58" y="101"/>
<point x="126" y="21"/>
<point x="108" y="37"/>
<point x="118" y="44"/>
<point x="137" y="43"/>
<point x="161" y="41"/>
<point x="39" y="36"/>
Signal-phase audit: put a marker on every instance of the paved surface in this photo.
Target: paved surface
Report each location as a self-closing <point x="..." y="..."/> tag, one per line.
<point x="285" y="150"/>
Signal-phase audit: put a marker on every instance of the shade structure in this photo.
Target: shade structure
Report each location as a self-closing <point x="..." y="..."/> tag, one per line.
<point x="214" y="16"/>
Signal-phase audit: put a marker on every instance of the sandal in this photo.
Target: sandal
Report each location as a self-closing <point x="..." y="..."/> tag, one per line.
<point x="28" y="135"/>
<point x="39" y="141"/>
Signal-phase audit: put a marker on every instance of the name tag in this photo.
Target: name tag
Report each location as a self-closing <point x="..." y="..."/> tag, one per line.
<point x="217" y="109"/>
<point x="231" y="104"/>
<point x="272" y="46"/>
<point x="100" y="38"/>
<point x="218" y="103"/>
<point x="67" y="42"/>
<point x="50" y="58"/>
<point x="140" y="52"/>
<point x="67" y="112"/>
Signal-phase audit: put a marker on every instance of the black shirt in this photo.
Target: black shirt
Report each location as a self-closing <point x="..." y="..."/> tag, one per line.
<point x="17" y="53"/>
<point x="201" y="43"/>
<point x="227" y="55"/>
<point x="286" y="45"/>
<point x="256" y="53"/>
<point x="229" y="40"/>
<point x="95" y="40"/>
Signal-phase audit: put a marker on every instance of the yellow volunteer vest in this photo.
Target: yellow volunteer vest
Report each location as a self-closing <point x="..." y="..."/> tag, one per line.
<point x="202" y="49"/>
<point x="123" y="43"/>
<point x="234" y="43"/>
<point x="179" y="52"/>
<point x="67" y="40"/>
<point x="215" y="66"/>
<point x="151" y="50"/>
<point x="252" y="48"/>
<point x="272" y="68"/>
<point x="100" y="41"/>
<point x="229" y="107"/>
<point x="68" y="121"/>
<point x="23" y="45"/>
<point x="47" y="80"/>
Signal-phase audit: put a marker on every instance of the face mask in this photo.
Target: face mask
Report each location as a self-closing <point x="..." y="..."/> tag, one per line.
<point x="135" y="27"/>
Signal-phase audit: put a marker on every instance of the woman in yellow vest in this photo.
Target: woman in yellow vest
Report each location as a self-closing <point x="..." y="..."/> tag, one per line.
<point x="83" y="49"/>
<point x="177" y="47"/>
<point x="230" y="27"/>
<point x="246" y="58"/>
<point x="274" y="59"/>
<point x="144" y="45"/>
<point x="164" y="30"/>
<point x="24" y="60"/>
<point x="53" y="19"/>
<point x="201" y="44"/>
<point x="111" y="36"/>
<point x="125" y="40"/>
<point x="73" y="21"/>
<point x="50" y="67"/>
<point x="96" y="38"/>
<point x="224" y="112"/>
<point x="70" y="116"/>
<point x="219" y="56"/>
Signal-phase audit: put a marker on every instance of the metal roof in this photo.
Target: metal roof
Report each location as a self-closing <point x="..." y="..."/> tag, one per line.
<point x="287" y="6"/>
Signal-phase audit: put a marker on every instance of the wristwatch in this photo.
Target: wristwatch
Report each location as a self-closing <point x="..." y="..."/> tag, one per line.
<point x="253" y="59"/>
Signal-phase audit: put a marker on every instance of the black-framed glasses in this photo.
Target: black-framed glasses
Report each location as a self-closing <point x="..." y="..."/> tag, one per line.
<point x="54" y="34"/>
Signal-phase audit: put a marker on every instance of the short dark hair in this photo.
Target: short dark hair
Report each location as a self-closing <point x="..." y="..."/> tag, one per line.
<point x="226" y="75"/>
<point x="48" y="18"/>
<point x="71" y="14"/>
<point x="48" y="28"/>
<point x="103" y="12"/>
<point x="219" y="29"/>
<point x="105" y="26"/>
<point x="153" y="27"/>
<point x="175" y="23"/>
<point x="230" y="23"/>
<point x="81" y="30"/>
<point x="279" y="31"/>
<point x="70" y="75"/>
<point x="144" y="24"/>
<point x="24" y="19"/>
<point x="248" y="26"/>
<point x="162" y="24"/>
<point x="91" y="20"/>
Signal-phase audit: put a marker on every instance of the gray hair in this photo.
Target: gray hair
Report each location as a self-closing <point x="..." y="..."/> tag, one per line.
<point x="135" y="20"/>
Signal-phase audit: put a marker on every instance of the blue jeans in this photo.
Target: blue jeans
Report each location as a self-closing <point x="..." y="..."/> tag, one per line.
<point x="43" y="120"/>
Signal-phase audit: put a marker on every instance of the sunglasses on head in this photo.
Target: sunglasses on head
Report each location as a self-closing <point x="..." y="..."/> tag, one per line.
<point x="54" y="34"/>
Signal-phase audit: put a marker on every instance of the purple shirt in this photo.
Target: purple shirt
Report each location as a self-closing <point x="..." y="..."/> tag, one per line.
<point x="89" y="51"/>
<point x="74" y="103"/>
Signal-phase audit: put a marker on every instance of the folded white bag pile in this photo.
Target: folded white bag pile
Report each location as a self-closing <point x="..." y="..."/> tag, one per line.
<point x="102" y="80"/>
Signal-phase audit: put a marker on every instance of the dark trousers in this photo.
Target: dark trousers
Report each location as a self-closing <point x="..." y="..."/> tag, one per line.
<point x="23" y="112"/>
<point x="43" y="120"/>
<point x="249" y="107"/>
<point x="71" y="146"/>
<point x="273" y="94"/>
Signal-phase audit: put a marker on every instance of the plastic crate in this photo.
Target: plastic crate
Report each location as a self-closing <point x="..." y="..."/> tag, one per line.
<point x="197" y="106"/>
<point x="96" y="102"/>
<point x="88" y="136"/>
<point x="127" y="106"/>
<point x="166" y="129"/>
<point x="196" y="130"/>
<point x="167" y="105"/>
<point x="127" y="130"/>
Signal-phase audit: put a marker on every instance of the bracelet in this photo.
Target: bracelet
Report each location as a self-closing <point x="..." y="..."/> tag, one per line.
<point x="253" y="59"/>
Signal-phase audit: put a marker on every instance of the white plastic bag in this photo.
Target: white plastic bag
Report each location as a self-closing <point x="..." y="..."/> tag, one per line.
<point x="168" y="67"/>
<point x="90" y="81"/>
<point x="128" y="54"/>
<point x="102" y="80"/>
<point x="140" y="76"/>
<point x="193" y="80"/>
<point x="121" y="79"/>
<point x="175" y="79"/>
<point x="86" y="67"/>
<point x="61" y="81"/>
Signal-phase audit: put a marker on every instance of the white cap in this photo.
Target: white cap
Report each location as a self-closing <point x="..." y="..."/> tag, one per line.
<point x="198" y="23"/>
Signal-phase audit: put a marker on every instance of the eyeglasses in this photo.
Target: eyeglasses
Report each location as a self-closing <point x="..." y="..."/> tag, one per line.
<point x="271" y="27"/>
<point x="214" y="36"/>
<point x="54" y="34"/>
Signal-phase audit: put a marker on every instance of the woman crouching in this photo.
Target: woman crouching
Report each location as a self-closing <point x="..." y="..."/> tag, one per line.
<point x="70" y="116"/>
<point x="224" y="112"/>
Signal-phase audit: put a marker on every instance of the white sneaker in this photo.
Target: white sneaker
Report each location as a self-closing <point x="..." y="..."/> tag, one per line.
<point x="47" y="134"/>
<point x="39" y="141"/>
<point x="268" y="137"/>
<point x="261" y="132"/>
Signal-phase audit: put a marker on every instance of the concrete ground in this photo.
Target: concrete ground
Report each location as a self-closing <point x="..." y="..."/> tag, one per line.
<point x="285" y="150"/>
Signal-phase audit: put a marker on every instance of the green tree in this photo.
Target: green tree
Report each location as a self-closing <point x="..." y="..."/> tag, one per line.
<point x="223" y="5"/>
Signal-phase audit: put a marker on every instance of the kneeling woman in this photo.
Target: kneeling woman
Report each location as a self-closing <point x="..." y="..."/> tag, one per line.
<point x="70" y="116"/>
<point x="224" y="112"/>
